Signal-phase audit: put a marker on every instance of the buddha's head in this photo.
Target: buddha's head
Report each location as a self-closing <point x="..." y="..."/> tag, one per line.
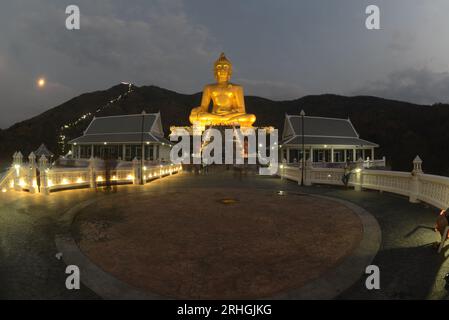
<point x="222" y="69"/>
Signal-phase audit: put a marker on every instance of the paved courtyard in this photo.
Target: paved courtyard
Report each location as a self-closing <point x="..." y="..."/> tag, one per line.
<point x="410" y="267"/>
<point x="216" y="243"/>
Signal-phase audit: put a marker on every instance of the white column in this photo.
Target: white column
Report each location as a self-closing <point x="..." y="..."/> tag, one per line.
<point x="415" y="183"/>
<point x="354" y="159"/>
<point x="332" y="154"/>
<point x="372" y="154"/>
<point x="43" y="166"/>
<point x="124" y="152"/>
<point x="311" y="154"/>
<point x="92" y="151"/>
<point x="288" y="155"/>
<point x="358" y="179"/>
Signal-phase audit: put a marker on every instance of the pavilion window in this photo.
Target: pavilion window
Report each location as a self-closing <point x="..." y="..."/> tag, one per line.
<point x="294" y="155"/>
<point x="97" y="152"/>
<point x="321" y="155"/>
<point x="152" y="152"/>
<point x="358" y="154"/>
<point x="136" y="152"/>
<point x="84" y="152"/>
<point x="349" y="155"/>
<point x="119" y="152"/>
<point x="128" y="153"/>
<point x="149" y="152"/>
<point x="339" y="155"/>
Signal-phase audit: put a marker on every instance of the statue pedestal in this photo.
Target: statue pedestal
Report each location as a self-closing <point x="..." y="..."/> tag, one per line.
<point x="242" y="140"/>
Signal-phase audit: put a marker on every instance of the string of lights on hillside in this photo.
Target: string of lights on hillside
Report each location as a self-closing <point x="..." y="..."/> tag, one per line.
<point x="88" y="116"/>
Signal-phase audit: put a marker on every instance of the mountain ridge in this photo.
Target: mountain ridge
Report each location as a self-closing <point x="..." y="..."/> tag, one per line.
<point x="402" y="129"/>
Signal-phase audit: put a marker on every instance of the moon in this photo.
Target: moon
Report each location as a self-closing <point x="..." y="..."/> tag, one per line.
<point x="41" y="82"/>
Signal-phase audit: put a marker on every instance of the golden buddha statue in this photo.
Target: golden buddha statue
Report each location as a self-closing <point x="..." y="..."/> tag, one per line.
<point x="228" y="105"/>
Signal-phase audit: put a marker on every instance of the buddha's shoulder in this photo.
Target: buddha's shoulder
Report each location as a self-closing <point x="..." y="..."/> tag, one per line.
<point x="235" y="85"/>
<point x="209" y="86"/>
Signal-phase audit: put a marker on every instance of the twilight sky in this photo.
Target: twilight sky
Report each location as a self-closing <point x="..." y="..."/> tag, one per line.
<point x="280" y="49"/>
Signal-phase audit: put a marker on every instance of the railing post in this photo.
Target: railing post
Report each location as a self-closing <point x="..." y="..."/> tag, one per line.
<point x="32" y="177"/>
<point x="358" y="177"/>
<point x="136" y="171"/>
<point x="282" y="171"/>
<point x="14" y="163"/>
<point x="43" y="169"/>
<point x="308" y="173"/>
<point x="18" y="157"/>
<point x="414" y="184"/>
<point x="92" y="172"/>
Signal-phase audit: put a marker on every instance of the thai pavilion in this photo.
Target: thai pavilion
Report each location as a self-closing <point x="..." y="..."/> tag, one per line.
<point x="122" y="137"/>
<point x="326" y="140"/>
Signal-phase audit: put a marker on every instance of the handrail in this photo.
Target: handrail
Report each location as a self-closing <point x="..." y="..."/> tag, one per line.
<point x="431" y="189"/>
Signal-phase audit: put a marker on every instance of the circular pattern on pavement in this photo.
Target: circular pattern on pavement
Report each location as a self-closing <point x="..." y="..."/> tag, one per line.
<point x="191" y="244"/>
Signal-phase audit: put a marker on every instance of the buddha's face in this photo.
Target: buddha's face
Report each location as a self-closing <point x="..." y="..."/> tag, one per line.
<point x="223" y="72"/>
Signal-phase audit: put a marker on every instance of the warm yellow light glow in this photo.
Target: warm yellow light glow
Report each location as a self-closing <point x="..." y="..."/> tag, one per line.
<point x="79" y="180"/>
<point x="144" y="168"/>
<point x="50" y="183"/>
<point x="99" y="179"/>
<point x="4" y="190"/>
<point x="22" y="183"/>
<point x="41" y="82"/>
<point x="65" y="181"/>
<point x="11" y="184"/>
<point x="228" y="107"/>
<point x="130" y="177"/>
<point x="34" y="183"/>
<point x="114" y="178"/>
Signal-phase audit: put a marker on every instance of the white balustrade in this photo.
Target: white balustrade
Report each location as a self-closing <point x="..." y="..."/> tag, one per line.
<point x="29" y="176"/>
<point x="416" y="185"/>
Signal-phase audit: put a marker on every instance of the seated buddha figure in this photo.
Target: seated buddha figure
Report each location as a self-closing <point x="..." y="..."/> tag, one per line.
<point x="228" y="105"/>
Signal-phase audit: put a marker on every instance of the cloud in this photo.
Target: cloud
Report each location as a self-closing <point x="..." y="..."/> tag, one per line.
<point x="414" y="85"/>
<point x="141" y="42"/>
<point x="402" y="41"/>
